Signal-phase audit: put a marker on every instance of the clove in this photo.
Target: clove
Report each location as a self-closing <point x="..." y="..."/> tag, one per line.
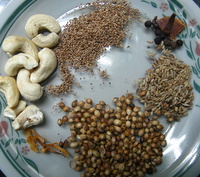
<point x="169" y="24"/>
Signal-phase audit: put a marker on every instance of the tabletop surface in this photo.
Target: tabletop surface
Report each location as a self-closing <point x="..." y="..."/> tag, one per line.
<point x="3" y="3"/>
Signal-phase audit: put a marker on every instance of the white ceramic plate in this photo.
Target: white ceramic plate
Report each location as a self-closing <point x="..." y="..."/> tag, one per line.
<point x="124" y="66"/>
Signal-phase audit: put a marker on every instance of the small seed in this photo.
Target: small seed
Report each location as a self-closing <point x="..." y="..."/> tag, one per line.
<point x="78" y="168"/>
<point x="128" y="124"/>
<point x="141" y="132"/>
<point x="121" y="166"/>
<point x="86" y="114"/>
<point x="136" y="109"/>
<point x="118" y="129"/>
<point x="117" y="122"/>
<point x="143" y="93"/>
<point x="87" y="106"/>
<point x="122" y="98"/>
<point x="98" y="106"/>
<point x="164" y="143"/>
<point x="107" y="172"/>
<point x="64" y="119"/>
<point x="72" y="127"/>
<point x="89" y="153"/>
<point x="89" y="101"/>
<point x="74" y="144"/>
<point x="72" y="164"/>
<point x="79" y="125"/>
<point x="77" y="109"/>
<point x="97" y="113"/>
<point x="115" y="99"/>
<point x="66" y="109"/>
<point x="81" y="103"/>
<point x="59" y="122"/>
<point x="61" y="105"/>
<point x="126" y="173"/>
<point x="141" y="114"/>
<point x="91" y="110"/>
<point x="70" y="120"/>
<point x="71" y="138"/>
<point x="170" y="119"/>
<point x="118" y="104"/>
<point x="155" y="122"/>
<point x="159" y="127"/>
<point x="102" y="137"/>
<point x="128" y="110"/>
<point x="74" y="103"/>
<point x="95" y="153"/>
<point x="127" y="101"/>
<point x="72" y="114"/>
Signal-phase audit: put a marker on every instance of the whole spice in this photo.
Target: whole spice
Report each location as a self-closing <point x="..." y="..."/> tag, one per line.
<point x="85" y="38"/>
<point x="168" y="26"/>
<point x="168" y="89"/>
<point x="123" y="143"/>
<point x="166" y="29"/>
<point x="39" y="144"/>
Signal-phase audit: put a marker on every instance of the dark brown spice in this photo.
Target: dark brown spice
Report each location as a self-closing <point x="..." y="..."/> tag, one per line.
<point x="169" y="24"/>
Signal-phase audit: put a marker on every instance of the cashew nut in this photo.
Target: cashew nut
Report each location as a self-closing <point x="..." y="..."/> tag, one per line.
<point x="14" y="44"/>
<point x="49" y="41"/>
<point x="9" y="88"/>
<point x="47" y="65"/>
<point x="30" y="116"/>
<point x="30" y="91"/>
<point x="41" y="21"/>
<point x="19" y="61"/>
<point x="12" y="113"/>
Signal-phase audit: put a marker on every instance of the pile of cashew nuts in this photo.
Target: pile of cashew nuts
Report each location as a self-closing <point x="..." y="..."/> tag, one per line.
<point x="31" y="62"/>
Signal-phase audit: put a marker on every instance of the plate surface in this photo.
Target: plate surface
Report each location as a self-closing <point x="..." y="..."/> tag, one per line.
<point x="125" y="66"/>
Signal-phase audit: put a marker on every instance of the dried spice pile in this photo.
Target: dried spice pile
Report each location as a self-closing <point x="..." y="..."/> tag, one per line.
<point x="166" y="29"/>
<point x="166" y="89"/>
<point x="113" y="142"/>
<point x="85" y="38"/>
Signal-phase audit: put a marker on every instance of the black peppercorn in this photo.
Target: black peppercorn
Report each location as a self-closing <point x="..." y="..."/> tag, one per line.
<point x="162" y="37"/>
<point x="148" y="24"/>
<point x="173" y="45"/>
<point x="167" y="42"/>
<point x="158" y="32"/>
<point x="179" y="42"/>
<point x="158" y="40"/>
<point x="155" y="25"/>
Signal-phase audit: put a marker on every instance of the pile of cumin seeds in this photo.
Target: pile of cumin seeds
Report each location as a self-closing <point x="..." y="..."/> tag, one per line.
<point x="85" y="38"/>
<point x="166" y="88"/>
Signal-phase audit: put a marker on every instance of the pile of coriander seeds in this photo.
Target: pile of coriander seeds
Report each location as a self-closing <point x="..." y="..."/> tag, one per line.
<point x="114" y="142"/>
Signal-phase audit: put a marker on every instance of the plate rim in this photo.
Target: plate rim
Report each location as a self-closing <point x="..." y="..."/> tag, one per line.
<point x="25" y="4"/>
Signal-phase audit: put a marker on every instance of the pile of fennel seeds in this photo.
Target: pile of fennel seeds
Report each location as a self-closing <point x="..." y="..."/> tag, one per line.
<point x="84" y="39"/>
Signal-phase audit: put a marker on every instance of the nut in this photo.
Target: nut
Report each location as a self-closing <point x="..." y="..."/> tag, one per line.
<point x="14" y="44"/>
<point x="47" y="65"/>
<point x="9" y="88"/>
<point x="38" y="22"/>
<point x="41" y="21"/>
<point x="19" y="61"/>
<point x="12" y="113"/>
<point x="30" y="91"/>
<point x="49" y="41"/>
<point x="30" y="116"/>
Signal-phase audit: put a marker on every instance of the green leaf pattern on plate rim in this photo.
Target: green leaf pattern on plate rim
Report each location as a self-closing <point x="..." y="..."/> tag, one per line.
<point x="15" y="157"/>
